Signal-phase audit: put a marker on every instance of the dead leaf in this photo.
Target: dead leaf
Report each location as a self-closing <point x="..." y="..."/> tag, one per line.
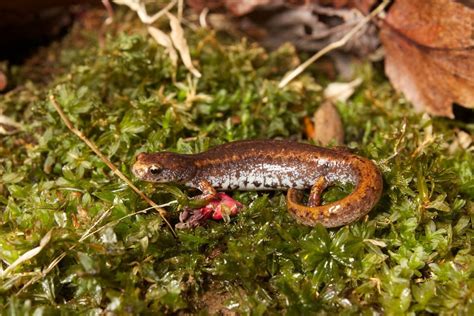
<point x="463" y="141"/>
<point x="164" y="40"/>
<point x="310" y="25"/>
<point x="328" y="127"/>
<point x="239" y="8"/>
<point x="8" y="126"/>
<point x="341" y="91"/>
<point x="179" y="41"/>
<point x="429" y="53"/>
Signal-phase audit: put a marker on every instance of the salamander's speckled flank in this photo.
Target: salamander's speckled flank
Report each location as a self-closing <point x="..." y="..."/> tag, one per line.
<point x="275" y="165"/>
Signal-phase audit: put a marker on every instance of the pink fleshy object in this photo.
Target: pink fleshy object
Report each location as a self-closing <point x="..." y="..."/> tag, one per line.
<point x="226" y="206"/>
<point x="223" y="205"/>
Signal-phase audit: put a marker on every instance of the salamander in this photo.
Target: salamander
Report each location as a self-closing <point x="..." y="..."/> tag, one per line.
<point x="274" y="165"/>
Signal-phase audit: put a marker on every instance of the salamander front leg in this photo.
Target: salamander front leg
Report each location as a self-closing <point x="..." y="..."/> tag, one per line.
<point x="195" y="213"/>
<point x="209" y="204"/>
<point x="208" y="194"/>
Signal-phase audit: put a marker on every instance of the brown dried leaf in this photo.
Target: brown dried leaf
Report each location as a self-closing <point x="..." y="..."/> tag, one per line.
<point x="341" y="91"/>
<point x="310" y="25"/>
<point x="164" y="40"/>
<point x="179" y="41"/>
<point x="463" y="141"/>
<point x="239" y="7"/>
<point x="328" y="125"/>
<point x="430" y="53"/>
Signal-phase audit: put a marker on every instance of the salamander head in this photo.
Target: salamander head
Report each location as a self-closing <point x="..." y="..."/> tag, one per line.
<point x="164" y="167"/>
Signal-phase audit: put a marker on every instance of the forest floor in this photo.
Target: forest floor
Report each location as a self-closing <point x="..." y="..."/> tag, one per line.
<point x="89" y="247"/>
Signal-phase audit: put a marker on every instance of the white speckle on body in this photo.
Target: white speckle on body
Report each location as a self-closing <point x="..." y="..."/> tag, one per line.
<point x="334" y="209"/>
<point x="268" y="167"/>
<point x="274" y="176"/>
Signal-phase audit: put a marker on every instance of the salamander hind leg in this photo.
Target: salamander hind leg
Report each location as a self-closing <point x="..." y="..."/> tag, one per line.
<point x="312" y="213"/>
<point x="316" y="192"/>
<point x="302" y="214"/>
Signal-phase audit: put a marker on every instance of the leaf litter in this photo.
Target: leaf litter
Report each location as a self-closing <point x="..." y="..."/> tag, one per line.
<point x="429" y="56"/>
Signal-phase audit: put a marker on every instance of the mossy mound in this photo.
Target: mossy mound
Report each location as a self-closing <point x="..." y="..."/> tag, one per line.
<point x="412" y="254"/>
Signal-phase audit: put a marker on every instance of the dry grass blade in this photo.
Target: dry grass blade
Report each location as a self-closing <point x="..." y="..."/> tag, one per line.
<point x="341" y="91"/>
<point x="203" y="17"/>
<point x="427" y="140"/>
<point x="164" y="40"/>
<point x="139" y="7"/>
<point x="156" y="16"/>
<point x="298" y="70"/>
<point x="91" y="232"/>
<point x="8" y="126"/>
<point x="177" y="36"/>
<point x="177" y="33"/>
<point x="117" y="172"/>
<point x="28" y="255"/>
<point x="180" y="9"/>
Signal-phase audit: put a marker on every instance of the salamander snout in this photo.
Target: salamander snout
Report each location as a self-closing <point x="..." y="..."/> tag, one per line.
<point x="162" y="167"/>
<point x="146" y="168"/>
<point x="140" y="167"/>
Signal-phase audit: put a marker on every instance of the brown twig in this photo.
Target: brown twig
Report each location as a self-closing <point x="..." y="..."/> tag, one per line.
<point x="106" y="160"/>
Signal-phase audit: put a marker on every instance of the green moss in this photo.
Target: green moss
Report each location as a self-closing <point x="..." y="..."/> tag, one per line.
<point x="412" y="254"/>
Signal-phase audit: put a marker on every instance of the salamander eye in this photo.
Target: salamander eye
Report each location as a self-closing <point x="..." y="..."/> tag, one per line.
<point x="154" y="170"/>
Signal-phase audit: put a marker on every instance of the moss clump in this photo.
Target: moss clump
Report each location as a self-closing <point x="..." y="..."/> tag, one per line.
<point x="412" y="254"/>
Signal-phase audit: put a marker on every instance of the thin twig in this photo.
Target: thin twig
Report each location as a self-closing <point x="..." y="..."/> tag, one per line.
<point x="96" y="222"/>
<point x="28" y="254"/>
<point x="90" y="233"/>
<point x="106" y="160"/>
<point x="339" y="43"/>
<point x="180" y="10"/>
<point x="161" y="13"/>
